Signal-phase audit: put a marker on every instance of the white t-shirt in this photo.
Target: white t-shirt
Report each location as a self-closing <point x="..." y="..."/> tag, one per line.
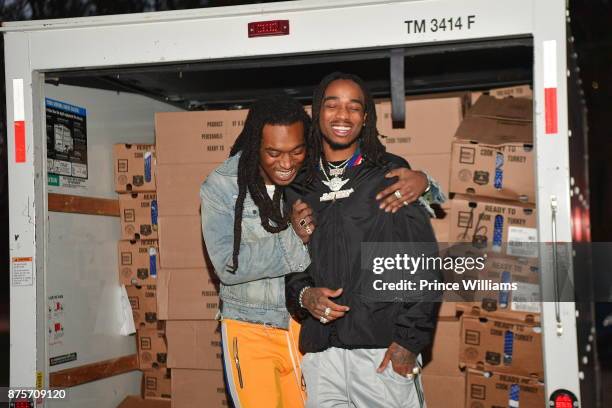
<point x="270" y="188"/>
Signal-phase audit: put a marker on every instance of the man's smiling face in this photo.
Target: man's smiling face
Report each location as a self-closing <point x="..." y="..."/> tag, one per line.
<point x="282" y="153"/>
<point x="342" y="113"/>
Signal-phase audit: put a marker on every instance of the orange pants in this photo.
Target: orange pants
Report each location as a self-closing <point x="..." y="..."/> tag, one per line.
<point x="262" y="365"/>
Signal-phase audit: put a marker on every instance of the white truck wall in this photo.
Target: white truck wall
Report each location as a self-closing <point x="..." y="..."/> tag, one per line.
<point x="82" y="249"/>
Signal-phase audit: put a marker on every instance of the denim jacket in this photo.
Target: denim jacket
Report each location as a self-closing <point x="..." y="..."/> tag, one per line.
<point x="256" y="291"/>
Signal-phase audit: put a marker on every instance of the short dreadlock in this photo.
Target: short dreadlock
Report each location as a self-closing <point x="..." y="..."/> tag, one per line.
<point x="274" y="110"/>
<point x="371" y="147"/>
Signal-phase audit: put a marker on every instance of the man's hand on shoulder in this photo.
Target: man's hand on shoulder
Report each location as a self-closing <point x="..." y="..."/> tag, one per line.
<point x="410" y="185"/>
<point x="402" y="360"/>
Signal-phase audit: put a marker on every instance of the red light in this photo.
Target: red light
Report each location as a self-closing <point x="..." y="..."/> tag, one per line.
<point x="22" y="404"/>
<point x="564" y="401"/>
<point x="577" y="219"/>
<point x="268" y="28"/>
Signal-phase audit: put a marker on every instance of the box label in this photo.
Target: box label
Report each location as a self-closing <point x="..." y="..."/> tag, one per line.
<point x="526" y="298"/>
<point x="522" y="242"/>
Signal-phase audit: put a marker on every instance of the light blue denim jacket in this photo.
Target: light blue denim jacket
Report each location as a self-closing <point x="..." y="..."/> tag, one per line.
<point x="256" y="291"/>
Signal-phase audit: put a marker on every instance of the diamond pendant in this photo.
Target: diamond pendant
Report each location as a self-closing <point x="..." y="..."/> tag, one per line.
<point x="336" y="183"/>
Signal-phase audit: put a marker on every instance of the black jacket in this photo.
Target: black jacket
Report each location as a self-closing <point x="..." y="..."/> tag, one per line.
<point x="335" y="247"/>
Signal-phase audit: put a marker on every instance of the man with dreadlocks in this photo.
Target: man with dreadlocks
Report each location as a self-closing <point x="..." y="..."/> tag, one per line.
<point x="252" y="247"/>
<point x="349" y="342"/>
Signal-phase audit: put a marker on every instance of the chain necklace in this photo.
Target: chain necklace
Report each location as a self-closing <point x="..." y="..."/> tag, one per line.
<point x="336" y="182"/>
<point x="338" y="169"/>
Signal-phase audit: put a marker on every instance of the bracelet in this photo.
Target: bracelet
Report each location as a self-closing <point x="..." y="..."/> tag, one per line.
<point x="428" y="183"/>
<point x="302" y="295"/>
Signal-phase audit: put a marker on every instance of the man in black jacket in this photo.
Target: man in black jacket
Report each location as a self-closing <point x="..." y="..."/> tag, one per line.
<point x="349" y="342"/>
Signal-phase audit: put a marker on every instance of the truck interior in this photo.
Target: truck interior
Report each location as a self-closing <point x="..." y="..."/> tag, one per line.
<point x="119" y="101"/>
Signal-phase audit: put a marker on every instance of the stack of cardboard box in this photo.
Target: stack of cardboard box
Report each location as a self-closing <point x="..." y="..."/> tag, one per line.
<point x="138" y="255"/>
<point x="425" y="142"/>
<point x="189" y="146"/>
<point x="493" y="214"/>
<point x="486" y="159"/>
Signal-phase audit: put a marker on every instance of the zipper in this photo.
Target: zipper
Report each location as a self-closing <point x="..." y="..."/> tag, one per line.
<point x="237" y="361"/>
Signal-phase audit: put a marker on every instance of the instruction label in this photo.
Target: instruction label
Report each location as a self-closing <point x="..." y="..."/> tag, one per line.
<point x="22" y="272"/>
<point x="66" y="144"/>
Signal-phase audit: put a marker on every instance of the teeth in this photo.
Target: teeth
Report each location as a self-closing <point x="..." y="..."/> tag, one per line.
<point x="342" y="128"/>
<point x="284" y="174"/>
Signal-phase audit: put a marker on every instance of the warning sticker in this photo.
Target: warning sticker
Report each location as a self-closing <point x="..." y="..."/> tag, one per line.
<point x="22" y="272"/>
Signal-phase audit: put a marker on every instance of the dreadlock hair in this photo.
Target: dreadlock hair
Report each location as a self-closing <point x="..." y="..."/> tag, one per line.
<point x="371" y="147"/>
<point x="274" y="110"/>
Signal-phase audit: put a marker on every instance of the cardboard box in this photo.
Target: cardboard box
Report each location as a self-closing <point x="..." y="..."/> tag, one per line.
<point x="519" y="91"/>
<point x="198" y="388"/>
<point x="492" y="155"/>
<point x="234" y="124"/>
<point x="157" y="383"/>
<point x="522" y="304"/>
<point x="430" y="126"/>
<point x="135" y="401"/>
<point x="497" y="171"/>
<point x="152" y="348"/>
<point x="489" y="344"/>
<point x="135" y="167"/>
<point x="143" y="300"/>
<point x="442" y="391"/>
<point x="491" y="390"/>
<point x="187" y="294"/>
<point x="442" y="358"/>
<point x="497" y="227"/>
<point x="447" y="311"/>
<point x="437" y="166"/>
<point x="194" y="344"/>
<point x="138" y="261"/>
<point x="181" y="244"/>
<point x="138" y="215"/>
<point x="192" y="137"/>
<point x="498" y="121"/>
<point x="178" y="187"/>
